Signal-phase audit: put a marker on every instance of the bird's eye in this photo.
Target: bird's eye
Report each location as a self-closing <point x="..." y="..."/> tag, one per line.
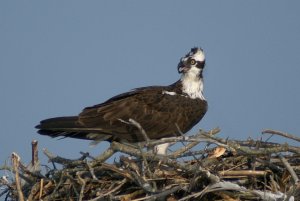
<point x="193" y="61"/>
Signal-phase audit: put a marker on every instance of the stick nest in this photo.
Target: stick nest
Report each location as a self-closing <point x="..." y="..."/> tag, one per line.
<point x="222" y="169"/>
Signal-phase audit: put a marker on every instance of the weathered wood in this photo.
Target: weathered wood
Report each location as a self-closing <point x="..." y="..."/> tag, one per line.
<point x="224" y="169"/>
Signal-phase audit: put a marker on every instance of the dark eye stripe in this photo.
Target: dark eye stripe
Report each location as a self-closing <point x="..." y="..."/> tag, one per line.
<point x="200" y="64"/>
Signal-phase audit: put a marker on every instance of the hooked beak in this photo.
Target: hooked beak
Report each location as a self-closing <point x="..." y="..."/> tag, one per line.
<point x="182" y="68"/>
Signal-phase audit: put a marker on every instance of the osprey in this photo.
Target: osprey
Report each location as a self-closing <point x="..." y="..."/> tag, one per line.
<point x="162" y="111"/>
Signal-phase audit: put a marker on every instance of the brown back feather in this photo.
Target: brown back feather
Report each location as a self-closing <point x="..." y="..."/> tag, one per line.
<point x="157" y="113"/>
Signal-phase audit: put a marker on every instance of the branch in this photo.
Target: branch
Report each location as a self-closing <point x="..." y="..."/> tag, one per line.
<point x="104" y="156"/>
<point x="189" y="146"/>
<point x="173" y="163"/>
<point x="142" y="131"/>
<point x="236" y="146"/>
<point x="34" y="153"/>
<point x="274" y="132"/>
<point x="15" y="161"/>
<point x="102" y="195"/>
<point x="289" y="168"/>
<point x="64" y="161"/>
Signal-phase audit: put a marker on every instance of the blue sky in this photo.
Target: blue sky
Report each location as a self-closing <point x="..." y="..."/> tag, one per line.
<point x="57" y="57"/>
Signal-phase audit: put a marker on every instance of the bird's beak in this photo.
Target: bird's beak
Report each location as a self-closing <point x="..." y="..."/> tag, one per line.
<point x="182" y="68"/>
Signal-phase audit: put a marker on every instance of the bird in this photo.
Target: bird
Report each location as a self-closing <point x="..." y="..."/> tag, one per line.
<point x="162" y="111"/>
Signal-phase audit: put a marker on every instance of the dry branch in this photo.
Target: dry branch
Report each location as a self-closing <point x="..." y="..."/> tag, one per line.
<point x="286" y="135"/>
<point x="225" y="169"/>
<point x="15" y="161"/>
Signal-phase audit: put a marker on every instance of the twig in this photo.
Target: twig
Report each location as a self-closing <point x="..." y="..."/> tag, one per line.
<point x="290" y="136"/>
<point x="198" y="164"/>
<point x="193" y="138"/>
<point x="189" y="146"/>
<point x="190" y="168"/>
<point x="111" y="191"/>
<point x="129" y="163"/>
<point x="252" y="143"/>
<point x="168" y="177"/>
<point x="129" y="196"/>
<point x="219" y="186"/>
<point x="149" y="156"/>
<point x="31" y="175"/>
<point x="289" y="168"/>
<point x="64" y="161"/>
<point x="34" y="153"/>
<point x="56" y="159"/>
<point x="269" y="164"/>
<point x="185" y="147"/>
<point x="83" y="183"/>
<point x="192" y="153"/>
<point x="142" y="183"/>
<point x="235" y="146"/>
<point x="243" y="173"/>
<point x="193" y="195"/>
<point x="138" y="125"/>
<point x="104" y="156"/>
<point x="91" y="170"/>
<point x="28" y="177"/>
<point x="113" y="168"/>
<point x="15" y="161"/>
<point x="41" y="188"/>
<point x="162" y="194"/>
<point x="57" y="186"/>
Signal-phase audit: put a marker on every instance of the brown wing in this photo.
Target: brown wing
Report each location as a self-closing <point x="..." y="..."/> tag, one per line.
<point x="157" y="113"/>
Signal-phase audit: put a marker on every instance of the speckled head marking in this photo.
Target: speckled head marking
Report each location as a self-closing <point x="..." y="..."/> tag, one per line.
<point x="195" y="58"/>
<point x="191" y="67"/>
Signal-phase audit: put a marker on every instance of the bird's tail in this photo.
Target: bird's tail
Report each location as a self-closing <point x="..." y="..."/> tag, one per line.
<point x="63" y="127"/>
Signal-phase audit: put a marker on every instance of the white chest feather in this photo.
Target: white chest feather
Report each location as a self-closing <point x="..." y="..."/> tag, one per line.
<point x="192" y="85"/>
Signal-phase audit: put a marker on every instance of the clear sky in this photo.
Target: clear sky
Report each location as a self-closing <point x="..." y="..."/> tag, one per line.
<point x="57" y="57"/>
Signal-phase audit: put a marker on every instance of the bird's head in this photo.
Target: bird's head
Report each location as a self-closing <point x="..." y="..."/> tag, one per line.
<point x="193" y="62"/>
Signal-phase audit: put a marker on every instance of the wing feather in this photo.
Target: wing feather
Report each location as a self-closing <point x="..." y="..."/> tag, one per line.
<point x="157" y="113"/>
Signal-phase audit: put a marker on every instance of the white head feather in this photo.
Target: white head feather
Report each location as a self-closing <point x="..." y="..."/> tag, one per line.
<point x="192" y="82"/>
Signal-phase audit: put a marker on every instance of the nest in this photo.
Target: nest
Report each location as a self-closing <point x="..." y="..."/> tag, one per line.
<point x="223" y="169"/>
